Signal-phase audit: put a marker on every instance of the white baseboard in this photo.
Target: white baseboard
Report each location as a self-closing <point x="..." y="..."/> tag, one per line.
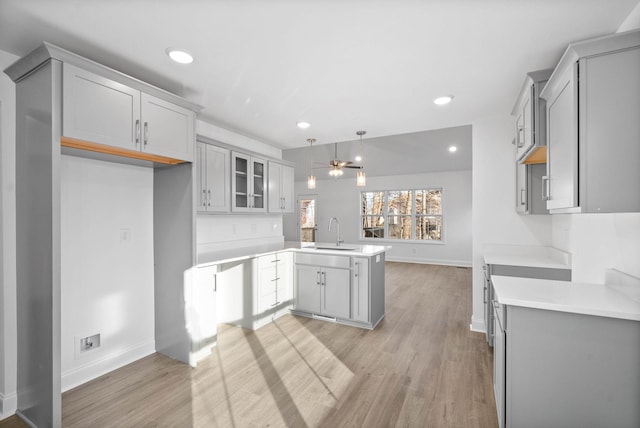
<point x="477" y="324"/>
<point x="86" y="372"/>
<point x="8" y="404"/>
<point x="458" y="263"/>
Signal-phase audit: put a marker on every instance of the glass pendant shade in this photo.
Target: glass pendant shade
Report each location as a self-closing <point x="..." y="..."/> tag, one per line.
<point x="361" y="179"/>
<point x="311" y="182"/>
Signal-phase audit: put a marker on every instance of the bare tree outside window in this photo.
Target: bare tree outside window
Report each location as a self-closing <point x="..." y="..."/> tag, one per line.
<point x="402" y="214"/>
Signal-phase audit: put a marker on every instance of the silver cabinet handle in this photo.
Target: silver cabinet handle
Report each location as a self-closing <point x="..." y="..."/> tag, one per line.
<point x="209" y="199"/>
<point x="318" y="278"/>
<point x="137" y="131"/>
<point x="204" y="198"/>
<point x="546" y="189"/>
<point x="522" y="196"/>
<point x="520" y="137"/>
<point x="357" y="269"/>
<point x="324" y="279"/>
<point x="146" y="133"/>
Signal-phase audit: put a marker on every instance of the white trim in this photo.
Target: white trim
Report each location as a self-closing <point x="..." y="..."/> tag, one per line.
<point x="477" y="325"/>
<point x="79" y="375"/>
<point x="421" y="260"/>
<point x="8" y="404"/>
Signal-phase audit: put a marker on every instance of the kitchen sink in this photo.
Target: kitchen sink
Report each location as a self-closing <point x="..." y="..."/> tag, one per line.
<point x="334" y="247"/>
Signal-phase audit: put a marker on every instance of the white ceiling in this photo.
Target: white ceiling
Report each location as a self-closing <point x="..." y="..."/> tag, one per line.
<point x="261" y="66"/>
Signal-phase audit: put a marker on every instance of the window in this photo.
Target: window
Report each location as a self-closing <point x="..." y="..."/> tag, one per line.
<point x="411" y="215"/>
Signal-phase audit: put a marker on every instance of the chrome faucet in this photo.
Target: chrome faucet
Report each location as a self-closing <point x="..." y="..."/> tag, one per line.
<point x="338" y="240"/>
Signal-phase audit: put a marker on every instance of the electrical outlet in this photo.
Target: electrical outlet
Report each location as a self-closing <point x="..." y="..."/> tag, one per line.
<point x="125" y="235"/>
<point x="89" y="343"/>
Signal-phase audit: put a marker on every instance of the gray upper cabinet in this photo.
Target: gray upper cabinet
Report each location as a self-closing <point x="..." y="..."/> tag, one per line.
<point x="248" y="183"/>
<point x="529" y="197"/>
<point x="593" y="106"/>
<point x="281" y="194"/>
<point x="104" y="111"/>
<point x="213" y="175"/>
<point x="530" y="142"/>
<point x="99" y="110"/>
<point x="529" y="112"/>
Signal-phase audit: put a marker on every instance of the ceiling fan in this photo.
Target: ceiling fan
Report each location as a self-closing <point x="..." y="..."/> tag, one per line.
<point x="336" y="165"/>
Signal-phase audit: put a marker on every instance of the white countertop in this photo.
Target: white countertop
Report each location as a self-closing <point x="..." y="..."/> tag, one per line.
<point x="527" y="255"/>
<point x="237" y="254"/>
<point x="580" y="298"/>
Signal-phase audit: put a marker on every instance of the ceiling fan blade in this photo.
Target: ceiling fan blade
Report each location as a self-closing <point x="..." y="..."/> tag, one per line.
<point x="353" y="166"/>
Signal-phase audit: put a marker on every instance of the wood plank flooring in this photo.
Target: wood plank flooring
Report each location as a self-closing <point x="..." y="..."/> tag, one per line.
<point x="421" y="367"/>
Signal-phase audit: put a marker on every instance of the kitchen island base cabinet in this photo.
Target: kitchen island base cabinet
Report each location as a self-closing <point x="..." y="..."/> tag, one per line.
<point x="567" y="370"/>
<point x="345" y="289"/>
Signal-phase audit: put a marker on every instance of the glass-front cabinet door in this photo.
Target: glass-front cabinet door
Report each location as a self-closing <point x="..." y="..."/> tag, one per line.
<point x="249" y="183"/>
<point x="259" y="176"/>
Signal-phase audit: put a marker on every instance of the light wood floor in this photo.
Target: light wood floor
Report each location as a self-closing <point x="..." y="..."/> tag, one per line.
<point x="421" y="367"/>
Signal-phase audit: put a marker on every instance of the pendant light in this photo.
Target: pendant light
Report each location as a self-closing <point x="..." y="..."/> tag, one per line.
<point x="361" y="178"/>
<point x="311" y="179"/>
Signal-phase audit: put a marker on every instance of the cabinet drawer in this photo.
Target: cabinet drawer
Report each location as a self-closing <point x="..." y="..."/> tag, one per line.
<point x="271" y="260"/>
<point x="323" y="260"/>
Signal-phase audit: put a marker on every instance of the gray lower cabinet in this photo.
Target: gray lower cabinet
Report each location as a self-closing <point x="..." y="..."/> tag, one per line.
<point x="346" y="289"/>
<point x="323" y="290"/>
<point x="360" y="289"/>
<point x="517" y="271"/>
<point x="559" y="369"/>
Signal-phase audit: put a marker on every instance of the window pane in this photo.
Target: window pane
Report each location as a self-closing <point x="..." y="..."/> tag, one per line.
<point x="401" y="229"/>
<point x="429" y="228"/>
<point x="372" y="203"/>
<point x="399" y="202"/>
<point x="372" y="226"/>
<point x="429" y="201"/>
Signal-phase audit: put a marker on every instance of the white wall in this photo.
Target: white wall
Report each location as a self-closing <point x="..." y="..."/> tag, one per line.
<point x="8" y="330"/>
<point x="495" y="220"/>
<point x="341" y="198"/>
<point x="107" y="271"/>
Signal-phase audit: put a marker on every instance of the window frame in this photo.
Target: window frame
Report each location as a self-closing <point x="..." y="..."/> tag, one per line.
<point x="414" y="217"/>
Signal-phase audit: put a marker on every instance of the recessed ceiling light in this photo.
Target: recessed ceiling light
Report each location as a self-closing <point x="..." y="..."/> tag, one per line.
<point x="180" y="55"/>
<point x="452" y="149"/>
<point x="358" y="158"/>
<point x="303" y="125"/>
<point x="443" y="100"/>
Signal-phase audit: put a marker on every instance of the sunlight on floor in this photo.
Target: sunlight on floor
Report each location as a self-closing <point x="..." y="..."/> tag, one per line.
<point x="294" y="383"/>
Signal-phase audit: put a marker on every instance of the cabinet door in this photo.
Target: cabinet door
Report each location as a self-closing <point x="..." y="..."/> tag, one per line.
<point x="521" y="188"/>
<point x="258" y="185"/>
<point x="203" y="322"/>
<point x="240" y="184"/>
<point x="99" y="110"/>
<point x="360" y="290"/>
<point x="275" y="187"/>
<point x="499" y="370"/>
<point x="217" y="179"/>
<point x="610" y="132"/>
<point x="562" y="144"/>
<point x="201" y="176"/>
<point x="336" y="296"/>
<point x="308" y="288"/>
<point x="525" y="129"/>
<point x="167" y="129"/>
<point x="287" y="189"/>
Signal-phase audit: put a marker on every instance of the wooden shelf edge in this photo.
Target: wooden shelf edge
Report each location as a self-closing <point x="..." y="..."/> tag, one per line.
<point x="116" y="151"/>
<point x="539" y="155"/>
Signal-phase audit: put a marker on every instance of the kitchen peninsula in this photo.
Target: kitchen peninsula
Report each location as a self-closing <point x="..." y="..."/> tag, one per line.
<point x="250" y="287"/>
